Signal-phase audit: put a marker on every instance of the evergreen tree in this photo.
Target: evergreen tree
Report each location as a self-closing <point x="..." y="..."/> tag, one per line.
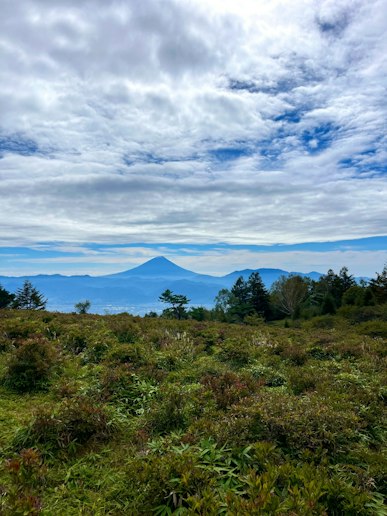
<point x="239" y="300"/>
<point x="379" y="286"/>
<point x="345" y="282"/>
<point x="6" y="298"/>
<point x="245" y="298"/>
<point x="29" y="298"/>
<point x="331" y="287"/>
<point x="177" y="301"/>
<point x="328" y="305"/>
<point x="258" y="296"/>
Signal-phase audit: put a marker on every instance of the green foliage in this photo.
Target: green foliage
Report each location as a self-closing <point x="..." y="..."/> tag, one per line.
<point x="120" y="384"/>
<point x="82" y="307"/>
<point x="378" y="286"/>
<point x="244" y="300"/>
<point x="177" y="309"/>
<point x="229" y="388"/>
<point x="27" y="474"/>
<point x="173" y="408"/>
<point x="124" y="328"/>
<point x="29" y="298"/>
<point x="374" y="328"/>
<point x="6" y="298"/>
<point x="234" y="351"/>
<point x="72" y="424"/>
<point x="288" y="294"/>
<point x="167" y="416"/>
<point x="30" y="365"/>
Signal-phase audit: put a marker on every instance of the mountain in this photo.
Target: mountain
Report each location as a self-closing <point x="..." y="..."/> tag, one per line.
<point x="159" y="267"/>
<point x="136" y="290"/>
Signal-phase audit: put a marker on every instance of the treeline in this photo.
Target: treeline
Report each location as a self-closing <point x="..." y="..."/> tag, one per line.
<point x="248" y="300"/>
<point x="25" y="298"/>
<point x="291" y="297"/>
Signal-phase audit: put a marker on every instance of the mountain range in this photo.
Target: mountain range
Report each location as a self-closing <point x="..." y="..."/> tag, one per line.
<point x="137" y="290"/>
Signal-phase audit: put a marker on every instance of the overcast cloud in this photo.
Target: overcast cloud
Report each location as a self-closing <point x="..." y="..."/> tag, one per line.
<point x="192" y="121"/>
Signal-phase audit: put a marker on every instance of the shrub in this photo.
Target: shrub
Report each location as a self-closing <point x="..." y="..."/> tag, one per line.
<point x="173" y="408"/>
<point x="302" y="380"/>
<point x="75" y="422"/>
<point x="27" y="474"/>
<point x="120" y="384"/>
<point x="126" y="354"/>
<point x="98" y="345"/>
<point x="267" y="375"/>
<point x="323" y="322"/>
<point x="31" y="365"/>
<point x="235" y="351"/>
<point x="294" y="354"/>
<point x="20" y="328"/>
<point x="124" y="328"/>
<point x="228" y="388"/>
<point x="75" y="339"/>
<point x="306" y="422"/>
<point x="373" y="329"/>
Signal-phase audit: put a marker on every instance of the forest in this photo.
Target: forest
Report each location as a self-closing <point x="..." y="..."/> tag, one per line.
<point x="259" y="406"/>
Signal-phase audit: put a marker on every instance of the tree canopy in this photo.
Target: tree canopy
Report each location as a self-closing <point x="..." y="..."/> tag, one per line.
<point x="29" y="298"/>
<point x="178" y="303"/>
<point x="244" y="299"/>
<point x="6" y="298"/>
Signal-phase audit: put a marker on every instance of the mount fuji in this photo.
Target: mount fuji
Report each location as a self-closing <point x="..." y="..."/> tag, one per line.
<point x="137" y="290"/>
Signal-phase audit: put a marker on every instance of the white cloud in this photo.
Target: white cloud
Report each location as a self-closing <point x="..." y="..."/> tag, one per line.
<point x="129" y="101"/>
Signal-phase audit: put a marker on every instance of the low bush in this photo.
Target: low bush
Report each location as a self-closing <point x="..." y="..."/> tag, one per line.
<point x="31" y="365"/>
<point x="124" y="328"/>
<point x="235" y="351"/>
<point x="229" y="387"/>
<point x="174" y="408"/>
<point x="74" y="422"/>
<point x="373" y="329"/>
<point x="121" y="384"/>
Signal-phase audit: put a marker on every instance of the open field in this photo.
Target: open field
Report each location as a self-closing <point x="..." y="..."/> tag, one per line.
<point x="123" y="415"/>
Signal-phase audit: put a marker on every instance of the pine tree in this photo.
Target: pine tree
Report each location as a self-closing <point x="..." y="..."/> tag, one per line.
<point x="6" y="298"/>
<point x="29" y="298"/>
<point x="379" y="286"/>
<point x="239" y="300"/>
<point x="258" y="296"/>
<point x="177" y="302"/>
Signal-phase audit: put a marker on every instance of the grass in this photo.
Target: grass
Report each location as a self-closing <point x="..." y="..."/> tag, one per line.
<point x="155" y="416"/>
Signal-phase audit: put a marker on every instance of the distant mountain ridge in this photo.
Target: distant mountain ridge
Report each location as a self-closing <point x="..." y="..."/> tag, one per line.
<point x="159" y="266"/>
<point x="137" y="290"/>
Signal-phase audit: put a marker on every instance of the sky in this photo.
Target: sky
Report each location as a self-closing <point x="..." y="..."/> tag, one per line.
<point x="223" y="135"/>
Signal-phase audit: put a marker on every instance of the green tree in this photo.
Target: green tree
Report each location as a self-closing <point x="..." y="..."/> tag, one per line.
<point x="6" y="298"/>
<point x="330" y="289"/>
<point x="178" y="303"/>
<point x="288" y="294"/>
<point x="244" y="299"/>
<point x="358" y="295"/>
<point x="223" y="302"/>
<point x="240" y="300"/>
<point x="82" y="307"/>
<point x="199" y="313"/>
<point x="258" y="296"/>
<point x="346" y="280"/>
<point x="379" y="286"/>
<point x="29" y="298"/>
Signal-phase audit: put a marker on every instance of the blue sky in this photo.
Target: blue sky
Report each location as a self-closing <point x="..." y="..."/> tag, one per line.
<point x="220" y="134"/>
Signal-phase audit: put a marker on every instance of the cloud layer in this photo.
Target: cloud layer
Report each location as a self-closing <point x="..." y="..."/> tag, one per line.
<point x="245" y="122"/>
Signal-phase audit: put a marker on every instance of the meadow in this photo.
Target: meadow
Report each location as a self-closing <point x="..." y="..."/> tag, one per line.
<point x="114" y="414"/>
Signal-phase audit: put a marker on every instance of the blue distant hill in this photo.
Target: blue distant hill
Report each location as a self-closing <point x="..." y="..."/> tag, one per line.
<point x="137" y="290"/>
